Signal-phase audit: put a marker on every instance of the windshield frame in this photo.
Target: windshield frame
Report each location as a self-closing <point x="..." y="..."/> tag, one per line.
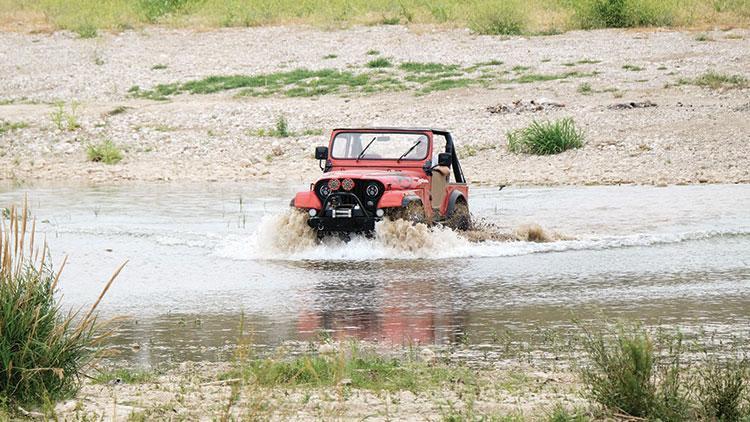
<point x="376" y="132"/>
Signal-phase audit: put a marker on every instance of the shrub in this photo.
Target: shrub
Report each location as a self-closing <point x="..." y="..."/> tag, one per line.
<point x="64" y="120"/>
<point x="626" y="373"/>
<point x="43" y="352"/>
<point x="86" y="30"/>
<point x="105" y="152"/>
<point x="152" y="10"/>
<point x="623" y="13"/>
<point x="542" y="138"/>
<point x="722" y="388"/>
<point x="504" y="18"/>
<point x="282" y="128"/>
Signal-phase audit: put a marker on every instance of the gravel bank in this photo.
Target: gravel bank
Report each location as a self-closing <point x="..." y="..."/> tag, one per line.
<point x="195" y="391"/>
<point x="692" y="135"/>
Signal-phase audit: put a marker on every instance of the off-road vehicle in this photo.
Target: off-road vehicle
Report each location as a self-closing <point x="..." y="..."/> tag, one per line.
<point x="373" y="173"/>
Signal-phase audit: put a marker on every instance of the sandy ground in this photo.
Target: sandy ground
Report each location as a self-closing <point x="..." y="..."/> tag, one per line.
<point x="193" y="391"/>
<point x="692" y="135"/>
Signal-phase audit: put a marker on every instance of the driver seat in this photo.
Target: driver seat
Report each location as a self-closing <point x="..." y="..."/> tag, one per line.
<point x="440" y="179"/>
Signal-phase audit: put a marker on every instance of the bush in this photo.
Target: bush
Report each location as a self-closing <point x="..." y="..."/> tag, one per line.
<point x="42" y="351"/>
<point x="625" y="372"/>
<point x="722" y="389"/>
<point x="105" y="152"/>
<point x="152" y="10"/>
<point x="503" y="18"/>
<point x="542" y="138"/>
<point x="624" y="13"/>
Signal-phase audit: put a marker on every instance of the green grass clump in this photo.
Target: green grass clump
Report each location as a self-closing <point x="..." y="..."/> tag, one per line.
<point x="379" y="63"/>
<point x="543" y="138"/>
<point x="43" y="351"/>
<point x="632" y="68"/>
<point x="64" y="119"/>
<point x="716" y="80"/>
<point x="627" y="372"/>
<point x="86" y="30"/>
<point x="418" y="67"/>
<point x="158" y="66"/>
<point x="535" y="77"/>
<point x="625" y="13"/>
<point x="281" y="130"/>
<point x="295" y="83"/>
<point x="585" y="88"/>
<point x="722" y="389"/>
<point x="11" y="126"/>
<point x="104" y="152"/>
<point x="354" y="367"/>
<point x="152" y="10"/>
<point x="498" y="18"/>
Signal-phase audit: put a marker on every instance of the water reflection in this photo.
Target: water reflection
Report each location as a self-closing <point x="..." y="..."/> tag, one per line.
<point x="441" y="312"/>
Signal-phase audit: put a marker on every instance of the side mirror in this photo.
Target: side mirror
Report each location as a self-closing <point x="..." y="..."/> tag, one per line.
<point x="321" y="153"/>
<point x="444" y="159"/>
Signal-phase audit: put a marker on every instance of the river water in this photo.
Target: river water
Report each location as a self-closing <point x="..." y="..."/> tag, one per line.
<point x="203" y="258"/>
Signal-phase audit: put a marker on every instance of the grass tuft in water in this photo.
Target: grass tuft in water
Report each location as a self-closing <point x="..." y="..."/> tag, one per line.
<point x="104" y="152"/>
<point x="43" y="351"/>
<point x="543" y="138"/>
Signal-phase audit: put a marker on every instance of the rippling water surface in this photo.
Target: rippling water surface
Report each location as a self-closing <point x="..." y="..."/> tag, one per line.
<point x="200" y="260"/>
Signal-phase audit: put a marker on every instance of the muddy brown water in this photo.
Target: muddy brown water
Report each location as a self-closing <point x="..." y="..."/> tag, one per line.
<point x="203" y="258"/>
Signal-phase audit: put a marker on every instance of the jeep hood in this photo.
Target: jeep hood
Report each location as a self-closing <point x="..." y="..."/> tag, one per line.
<point x="401" y="178"/>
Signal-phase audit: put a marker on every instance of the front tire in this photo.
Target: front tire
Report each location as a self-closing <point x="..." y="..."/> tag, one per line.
<point x="460" y="218"/>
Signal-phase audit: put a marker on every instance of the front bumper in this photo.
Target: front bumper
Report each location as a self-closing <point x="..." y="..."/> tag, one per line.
<point x="343" y="224"/>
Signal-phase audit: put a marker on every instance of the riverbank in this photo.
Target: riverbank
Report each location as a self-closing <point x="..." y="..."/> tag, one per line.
<point x="656" y="107"/>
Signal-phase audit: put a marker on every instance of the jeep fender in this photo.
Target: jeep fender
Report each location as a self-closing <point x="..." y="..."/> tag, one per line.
<point x="452" y="199"/>
<point x="398" y="198"/>
<point x="306" y="200"/>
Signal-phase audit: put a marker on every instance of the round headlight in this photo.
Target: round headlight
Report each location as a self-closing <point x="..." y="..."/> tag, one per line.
<point x="379" y="212"/>
<point x="313" y="212"/>
<point x="372" y="190"/>
<point x="334" y="184"/>
<point x="324" y="190"/>
<point x="347" y="184"/>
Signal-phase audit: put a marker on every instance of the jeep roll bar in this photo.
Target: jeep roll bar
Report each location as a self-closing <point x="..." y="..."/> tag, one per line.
<point x="458" y="174"/>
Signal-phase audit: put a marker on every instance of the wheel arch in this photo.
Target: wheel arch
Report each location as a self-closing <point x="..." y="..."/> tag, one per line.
<point x="455" y="197"/>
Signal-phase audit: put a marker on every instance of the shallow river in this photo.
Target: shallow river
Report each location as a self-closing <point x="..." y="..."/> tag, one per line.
<point x="201" y="260"/>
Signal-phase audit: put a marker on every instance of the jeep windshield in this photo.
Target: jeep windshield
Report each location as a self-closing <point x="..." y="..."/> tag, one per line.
<point x="380" y="146"/>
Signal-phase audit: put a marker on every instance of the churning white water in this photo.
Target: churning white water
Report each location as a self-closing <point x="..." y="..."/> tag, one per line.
<point x="286" y="236"/>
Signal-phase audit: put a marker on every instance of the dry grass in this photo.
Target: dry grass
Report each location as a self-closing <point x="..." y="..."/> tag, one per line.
<point x="484" y="16"/>
<point x="43" y="351"/>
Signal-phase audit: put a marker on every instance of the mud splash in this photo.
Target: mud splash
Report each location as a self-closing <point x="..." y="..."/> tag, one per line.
<point x="484" y="231"/>
<point x="286" y="233"/>
<point x="286" y="236"/>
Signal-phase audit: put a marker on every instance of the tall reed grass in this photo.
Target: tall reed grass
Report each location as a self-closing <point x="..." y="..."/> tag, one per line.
<point x="483" y="16"/>
<point x="43" y="350"/>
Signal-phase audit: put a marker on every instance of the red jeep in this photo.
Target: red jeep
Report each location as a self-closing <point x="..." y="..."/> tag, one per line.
<point x="374" y="173"/>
